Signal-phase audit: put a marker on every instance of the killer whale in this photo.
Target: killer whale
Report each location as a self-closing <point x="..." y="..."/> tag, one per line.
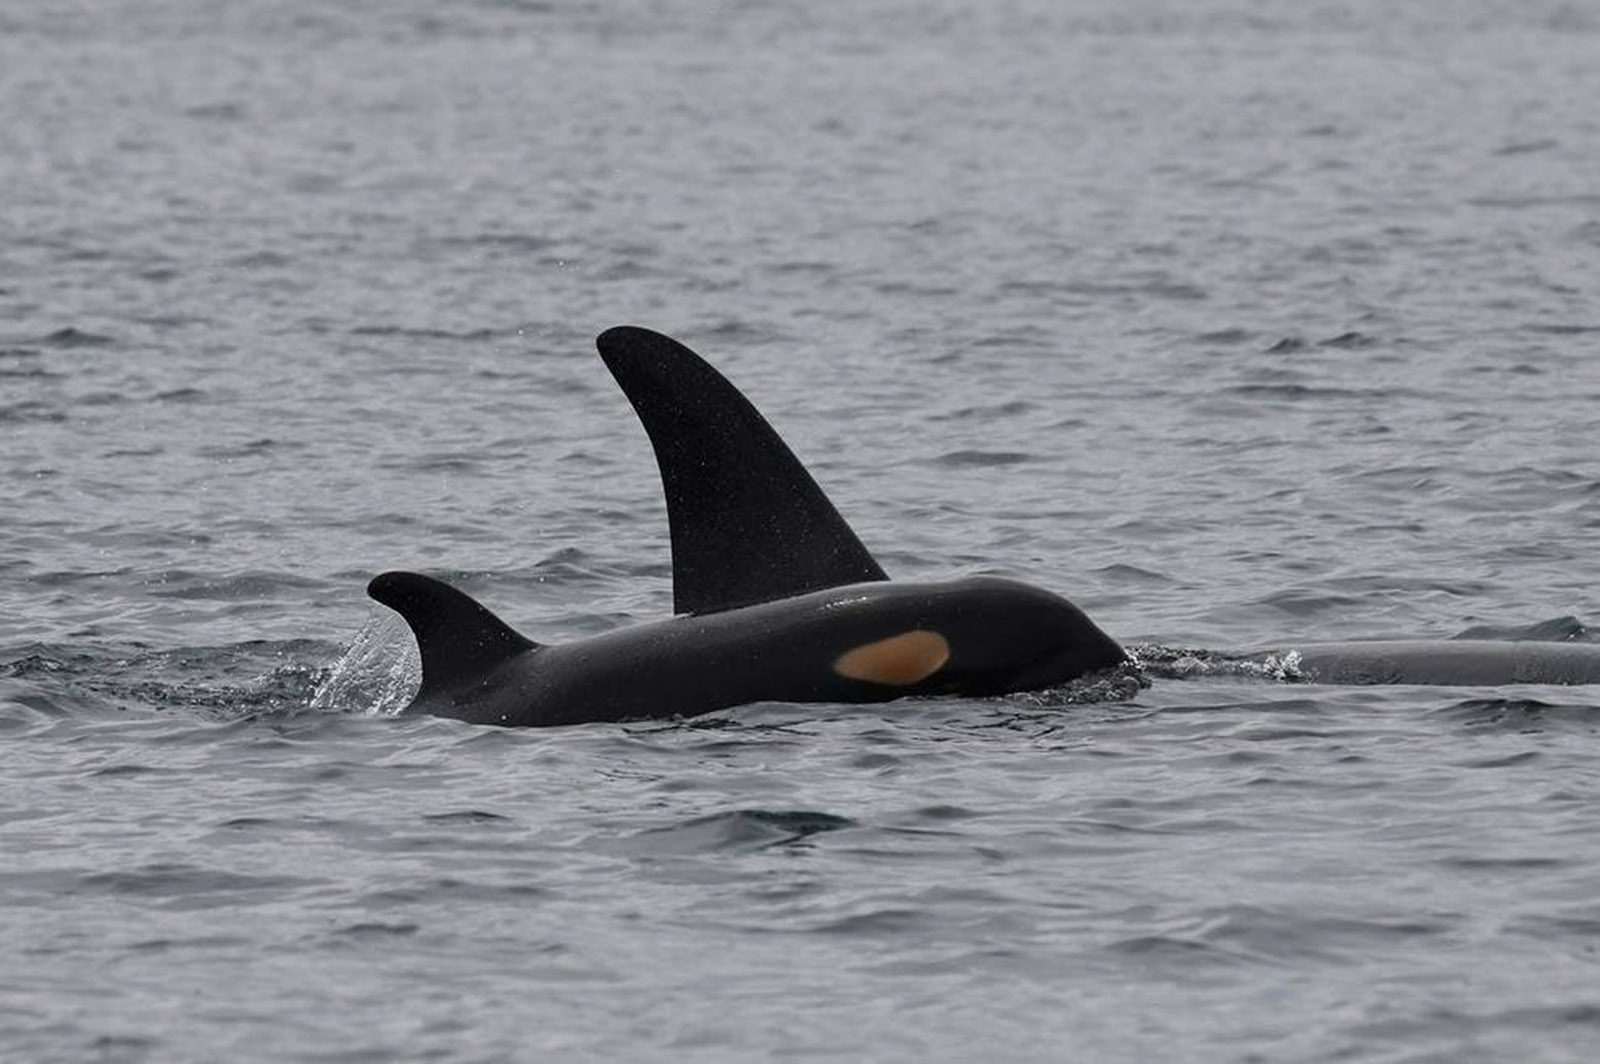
<point x="1464" y="661"/>
<point x="775" y="597"/>
<point x="1446" y="662"/>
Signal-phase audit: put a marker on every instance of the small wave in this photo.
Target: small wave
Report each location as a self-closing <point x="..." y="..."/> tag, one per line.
<point x="1157" y="288"/>
<point x="1516" y="715"/>
<point x="519" y="243"/>
<point x="373" y="929"/>
<point x="1348" y="340"/>
<point x="71" y="337"/>
<point x="180" y="395"/>
<point x="885" y="921"/>
<point x="1564" y="330"/>
<point x="802" y="266"/>
<point x="987" y="412"/>
<point x="441" y="463"/>
<point x="31" y="373"/>
<point x="31" y="412"/>
<point x="1527" y="147"/>
<point x="1479" y="863"/>
<point x="187" y="585"/>
<point x="741" y="830"/>
<point x="225" y="111"/>
<point x="260" y="447"/>
<point x="1343" y="341"/>
<point x="1120" y="573"/>
<point x="1305" y="391"/>
<point x="1517" y="203"/>
<point x="261" y="260"/>
<point x="422" y="333"/>
<point x="1567" y="629"/>
<point x="1270" y="934"/>
<point x="1173" y="956"/>
<point x="1304" y="602"/>
<point x="467" y="816"/>
<point x="737" y="329"/>
<point x="191" y="886"/>
<point x="1226" y="336"/>
<point x="982" y="459"/>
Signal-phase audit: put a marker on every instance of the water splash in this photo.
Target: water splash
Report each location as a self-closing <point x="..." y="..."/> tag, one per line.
<point x="1119" y="683"/>
<point x="378" y="674"/>
<point x="1189" y="663"/>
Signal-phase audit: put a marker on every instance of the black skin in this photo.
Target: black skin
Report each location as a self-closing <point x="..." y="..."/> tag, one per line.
<point x="1003" y="636"/>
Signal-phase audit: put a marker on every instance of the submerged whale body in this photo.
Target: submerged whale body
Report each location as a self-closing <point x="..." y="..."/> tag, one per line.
<point x="1458" y="662"/>
<point x="777" y="599"/>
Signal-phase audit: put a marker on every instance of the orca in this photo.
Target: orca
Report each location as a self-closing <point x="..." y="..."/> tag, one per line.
<point x="1465" y="661"/>
<point x="1452" y="662"/>
<point x="775" y="598"/>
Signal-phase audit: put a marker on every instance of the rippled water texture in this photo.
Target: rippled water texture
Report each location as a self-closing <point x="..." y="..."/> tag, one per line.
<point x="1237" y="322"/>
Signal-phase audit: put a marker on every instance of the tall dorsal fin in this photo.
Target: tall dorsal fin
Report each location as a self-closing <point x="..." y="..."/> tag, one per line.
<point x="748" y="523"/>
<point x="457" y="635"/>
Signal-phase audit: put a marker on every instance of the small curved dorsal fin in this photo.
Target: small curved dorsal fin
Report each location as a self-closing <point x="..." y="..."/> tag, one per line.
<point x="748" y="523"/>
<point x="458" y="637"/>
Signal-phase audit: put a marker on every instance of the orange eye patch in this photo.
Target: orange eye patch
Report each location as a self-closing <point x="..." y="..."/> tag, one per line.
<point x="897" y="661"/>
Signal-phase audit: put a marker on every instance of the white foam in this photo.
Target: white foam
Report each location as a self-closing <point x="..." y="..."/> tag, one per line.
<point x="379" y="673"/>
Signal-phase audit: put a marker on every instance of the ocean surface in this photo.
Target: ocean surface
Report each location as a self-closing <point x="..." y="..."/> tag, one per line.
<point x="1238" y="322"/>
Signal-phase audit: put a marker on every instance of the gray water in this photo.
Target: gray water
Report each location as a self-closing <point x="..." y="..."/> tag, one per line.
<point x="1236" y="322"/>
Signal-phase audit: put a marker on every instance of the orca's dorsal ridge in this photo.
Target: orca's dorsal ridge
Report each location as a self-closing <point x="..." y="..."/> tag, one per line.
<point x="748" y="523"/>
<point x="458" y="637"/>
